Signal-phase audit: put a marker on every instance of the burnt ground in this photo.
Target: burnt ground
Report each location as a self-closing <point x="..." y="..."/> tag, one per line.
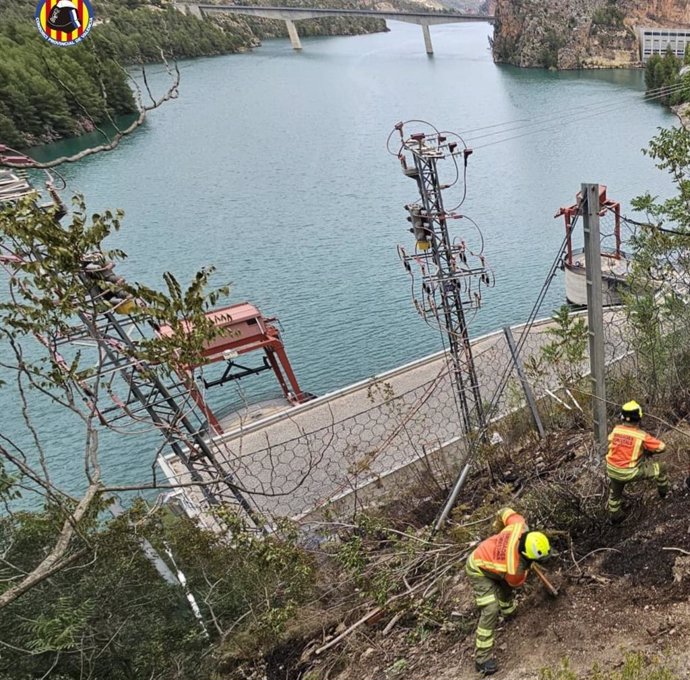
<point x="622" y="588"/>
<point x="630" y="595"/>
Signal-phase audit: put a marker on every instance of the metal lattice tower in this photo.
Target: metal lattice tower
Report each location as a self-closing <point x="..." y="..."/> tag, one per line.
<point x="452" y="274"/>
<point x="156" y="393"/>
<point x="140" y="391"/>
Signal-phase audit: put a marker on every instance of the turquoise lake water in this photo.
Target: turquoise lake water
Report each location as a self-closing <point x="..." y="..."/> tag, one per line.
<point x="272" y="167"/>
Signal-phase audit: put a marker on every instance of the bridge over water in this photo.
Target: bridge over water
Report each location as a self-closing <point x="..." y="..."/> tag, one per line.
<point x="291" y="14"/>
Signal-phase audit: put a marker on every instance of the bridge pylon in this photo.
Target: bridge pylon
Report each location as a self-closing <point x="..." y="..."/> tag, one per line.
<point x="294" y="35"/>
<point x="427" y="38"/>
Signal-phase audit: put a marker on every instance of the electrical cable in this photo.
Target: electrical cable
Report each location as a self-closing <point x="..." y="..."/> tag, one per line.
<point x="633" y="95"/>
<point x="557" y="123"/>
<point x="655" y="227"/>
<point x="576" y="113"/>
<point x="493" y="406"/>
<point x="444" y="138"/>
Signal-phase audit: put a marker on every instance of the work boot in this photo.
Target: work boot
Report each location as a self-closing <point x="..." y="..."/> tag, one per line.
<point x="662" y="491"/>
<point x="487" y="667"/>
<point x="617" y="518"/>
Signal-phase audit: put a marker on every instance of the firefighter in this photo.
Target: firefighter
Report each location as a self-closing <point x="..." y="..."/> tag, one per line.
<point x="497" y="566"/>
<point x="629" y="459"/>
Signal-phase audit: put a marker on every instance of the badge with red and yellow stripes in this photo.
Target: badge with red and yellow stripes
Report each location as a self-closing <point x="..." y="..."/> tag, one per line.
<point x="64" y="22"/>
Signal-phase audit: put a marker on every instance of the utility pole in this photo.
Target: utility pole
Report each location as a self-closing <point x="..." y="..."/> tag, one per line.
<point x="595" y="311"/>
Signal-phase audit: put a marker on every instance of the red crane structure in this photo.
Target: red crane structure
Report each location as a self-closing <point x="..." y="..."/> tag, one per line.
<point x="614" y="262"/>
<point x="243" y="329"/>
<point x="606" y="204"/>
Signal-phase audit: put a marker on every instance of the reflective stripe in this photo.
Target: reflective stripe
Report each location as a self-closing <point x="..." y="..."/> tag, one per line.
<point x="484" y="644"/>
<point x="471" y="566"/>
<point x="485" y="600"/>
<point x="507" y="608"/>
<point x="485" y="632"/>
<point x="511" y="565"/>
<point x="621" y="474"/>
<point x="657" y="469"/>
<point x="476" y="564"/>
<point x="615" y="504"/>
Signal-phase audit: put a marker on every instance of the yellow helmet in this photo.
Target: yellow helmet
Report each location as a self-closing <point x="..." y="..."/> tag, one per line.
<point x="631" y="412"/>
<point x="537" y="546"/>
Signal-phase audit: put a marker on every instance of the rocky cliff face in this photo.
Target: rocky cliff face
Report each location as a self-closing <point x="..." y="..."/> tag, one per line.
<point x="569" y="34"/>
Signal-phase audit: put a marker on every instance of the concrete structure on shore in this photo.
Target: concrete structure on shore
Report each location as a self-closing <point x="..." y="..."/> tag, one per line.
<point x="377" y="437"/>
<point x="291" y="14"/>
<point x="657" y="40"/>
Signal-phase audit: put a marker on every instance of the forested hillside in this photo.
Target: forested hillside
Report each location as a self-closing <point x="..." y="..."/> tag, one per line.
<point x="48" y="92"/>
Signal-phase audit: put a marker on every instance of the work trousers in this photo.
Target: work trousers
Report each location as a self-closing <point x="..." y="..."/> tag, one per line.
<point x="647" y="469"/>
<point x="493" y="598"/>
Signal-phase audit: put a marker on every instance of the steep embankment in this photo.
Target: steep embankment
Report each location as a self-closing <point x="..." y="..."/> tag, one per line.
<point x="568" y="34"/>
<point x="623" y="606"/>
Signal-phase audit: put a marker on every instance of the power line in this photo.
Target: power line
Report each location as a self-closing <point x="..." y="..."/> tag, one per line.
<point x="608" y="101"/>
<point x="575" y="112"/>
<point x="557" y="122"/>
<point x="655" y="227"/>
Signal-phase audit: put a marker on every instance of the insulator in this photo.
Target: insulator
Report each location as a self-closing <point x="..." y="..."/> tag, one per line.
<point x="421" y="227"/>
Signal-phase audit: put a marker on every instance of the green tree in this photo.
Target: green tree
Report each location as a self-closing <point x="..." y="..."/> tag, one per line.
<point x="660" y="278"/>
<point x="662" y="78"/>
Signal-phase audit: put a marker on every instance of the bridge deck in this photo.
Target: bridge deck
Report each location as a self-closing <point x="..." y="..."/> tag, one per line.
<point x="297" y="13"/>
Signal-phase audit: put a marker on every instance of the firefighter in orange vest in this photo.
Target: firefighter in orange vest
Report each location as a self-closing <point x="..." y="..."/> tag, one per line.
<point x="629" y="459"/>
<point x="497" y="566"/>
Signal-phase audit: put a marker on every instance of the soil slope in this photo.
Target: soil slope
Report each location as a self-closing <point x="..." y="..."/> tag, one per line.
<point x="622" y="589"/>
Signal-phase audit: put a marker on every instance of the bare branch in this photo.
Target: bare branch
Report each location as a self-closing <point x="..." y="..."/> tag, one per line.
<point x="58" y="558"/>
<point x="24" y="162"/>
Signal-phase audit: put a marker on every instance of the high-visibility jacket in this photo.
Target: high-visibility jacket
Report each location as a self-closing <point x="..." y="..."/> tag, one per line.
<point x="499" y="555"/>
<point x="627" y="444"/>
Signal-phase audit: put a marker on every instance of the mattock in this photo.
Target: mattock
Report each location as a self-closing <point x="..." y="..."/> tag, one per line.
<point x="550" y="588"/>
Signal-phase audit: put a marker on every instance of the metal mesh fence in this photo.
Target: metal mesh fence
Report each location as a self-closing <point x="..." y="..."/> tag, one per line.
<point x="347" y="447"/>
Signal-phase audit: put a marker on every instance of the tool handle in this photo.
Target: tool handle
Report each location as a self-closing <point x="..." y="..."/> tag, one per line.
<point x="542" y="577"/>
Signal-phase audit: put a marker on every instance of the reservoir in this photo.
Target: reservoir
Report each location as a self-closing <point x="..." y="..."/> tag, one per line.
<point x="272" y="167"/>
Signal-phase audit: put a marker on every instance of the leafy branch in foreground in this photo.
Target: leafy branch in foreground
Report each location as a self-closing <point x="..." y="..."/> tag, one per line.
<point x="60" y="277"/>
<point x="659" y="279"/>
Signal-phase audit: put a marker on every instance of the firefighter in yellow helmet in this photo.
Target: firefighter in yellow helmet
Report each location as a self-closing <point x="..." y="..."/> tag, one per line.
<point x="629" y="459"/>
<point x="497" y="566"/>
